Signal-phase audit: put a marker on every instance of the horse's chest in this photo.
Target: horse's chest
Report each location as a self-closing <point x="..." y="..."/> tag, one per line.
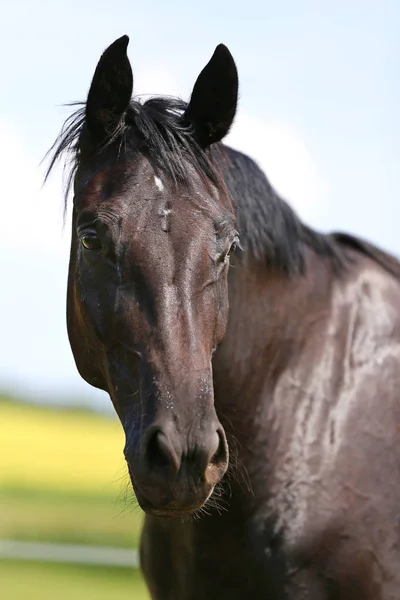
<point x="224" y="562"/>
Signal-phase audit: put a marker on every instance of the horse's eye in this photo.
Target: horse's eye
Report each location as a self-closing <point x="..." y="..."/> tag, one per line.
<point x="235" y="244"/>
<point x="231" y="250"/>
<point x="91" y="242"/>
<point x="225" y="256"/>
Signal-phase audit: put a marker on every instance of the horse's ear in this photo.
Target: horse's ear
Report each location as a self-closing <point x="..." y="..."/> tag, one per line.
<point x="110" y="91"/>
<point x="212" y="106"/>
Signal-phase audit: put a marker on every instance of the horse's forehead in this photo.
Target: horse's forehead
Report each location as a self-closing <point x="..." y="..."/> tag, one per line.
<point x="128" y="187"/>
<point x="117" y="180"/>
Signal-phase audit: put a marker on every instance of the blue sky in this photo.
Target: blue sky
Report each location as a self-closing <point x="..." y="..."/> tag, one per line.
<point x="319" y="98"/>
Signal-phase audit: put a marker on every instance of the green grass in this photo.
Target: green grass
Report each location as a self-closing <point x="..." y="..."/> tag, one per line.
<point x="33" y="515"/>
<point x="40" y="581"/>
<point x="50" y="448"/>
<point x="63" y="480"/>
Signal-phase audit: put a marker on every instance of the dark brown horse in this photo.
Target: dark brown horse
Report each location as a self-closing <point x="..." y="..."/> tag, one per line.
<point x="270" y="469"/>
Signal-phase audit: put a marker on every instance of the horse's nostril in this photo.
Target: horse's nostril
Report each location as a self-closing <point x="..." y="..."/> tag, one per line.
<point x="158" y="454"/>
<point x="220" y="456"/>
<point x="163" y="458"/>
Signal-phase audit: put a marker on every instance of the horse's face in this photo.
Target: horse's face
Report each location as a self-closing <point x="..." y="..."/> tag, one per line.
<point x="151" y="294"/>
<point x="147" y="306"/>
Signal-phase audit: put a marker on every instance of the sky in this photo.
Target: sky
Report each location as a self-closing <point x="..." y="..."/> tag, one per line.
<point x="318" y="110"/>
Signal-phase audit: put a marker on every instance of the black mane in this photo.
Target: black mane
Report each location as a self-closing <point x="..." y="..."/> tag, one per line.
<point x="270" y="230"/>
<point x="273" y="233"/>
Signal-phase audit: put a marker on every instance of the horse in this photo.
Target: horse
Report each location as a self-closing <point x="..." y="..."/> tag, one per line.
<point x="254" y="363"/>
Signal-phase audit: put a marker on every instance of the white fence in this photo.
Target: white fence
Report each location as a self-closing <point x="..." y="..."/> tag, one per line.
<point x="68" y="553"/>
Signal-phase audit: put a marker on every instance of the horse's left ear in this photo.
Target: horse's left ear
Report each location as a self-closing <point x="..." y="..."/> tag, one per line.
<point x="212" y="106"/>
<point x="110" y="91"/>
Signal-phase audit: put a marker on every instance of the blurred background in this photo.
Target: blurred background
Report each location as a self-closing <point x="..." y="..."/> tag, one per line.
<point x="319" y="97"/>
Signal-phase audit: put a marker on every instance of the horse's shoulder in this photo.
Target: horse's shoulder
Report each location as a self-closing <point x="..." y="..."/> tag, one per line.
<point x="368" y="299"/>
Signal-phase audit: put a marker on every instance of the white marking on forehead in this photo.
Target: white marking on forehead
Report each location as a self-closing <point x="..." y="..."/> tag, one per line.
<point x="159" y="184"/>
<point x="164" y="212"/>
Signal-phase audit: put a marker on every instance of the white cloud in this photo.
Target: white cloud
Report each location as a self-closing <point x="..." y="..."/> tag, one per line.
<point x="31" y="215"/>
<point x="155" y="81"/>
<point x="283" y="156"/>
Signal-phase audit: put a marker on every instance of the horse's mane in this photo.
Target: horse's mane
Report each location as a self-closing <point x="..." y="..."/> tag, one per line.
<point x="271" y="231"/>
<point x="274" y="234"/>
<point x="277" y="236"/>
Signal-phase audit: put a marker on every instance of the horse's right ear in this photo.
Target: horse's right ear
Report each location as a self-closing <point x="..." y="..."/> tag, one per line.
<point x="110" y="91"/>
<point x="212" y="106"/>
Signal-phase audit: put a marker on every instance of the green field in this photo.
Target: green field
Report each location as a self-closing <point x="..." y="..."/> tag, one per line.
<point x="60" y="450"/>
<point x="63" y="480"/>
<point x="32" y="515"/>
<point x="38" y="581"/>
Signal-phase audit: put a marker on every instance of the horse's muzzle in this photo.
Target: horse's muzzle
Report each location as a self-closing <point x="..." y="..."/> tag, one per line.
<point x="175" y="474"/>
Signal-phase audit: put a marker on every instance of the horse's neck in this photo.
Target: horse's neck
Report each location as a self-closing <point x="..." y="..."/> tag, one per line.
<point x="271" y="317"/>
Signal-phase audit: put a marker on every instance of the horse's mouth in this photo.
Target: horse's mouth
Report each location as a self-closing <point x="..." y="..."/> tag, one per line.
<point x="171" y="509"/>
<point x="171" y="513"/>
